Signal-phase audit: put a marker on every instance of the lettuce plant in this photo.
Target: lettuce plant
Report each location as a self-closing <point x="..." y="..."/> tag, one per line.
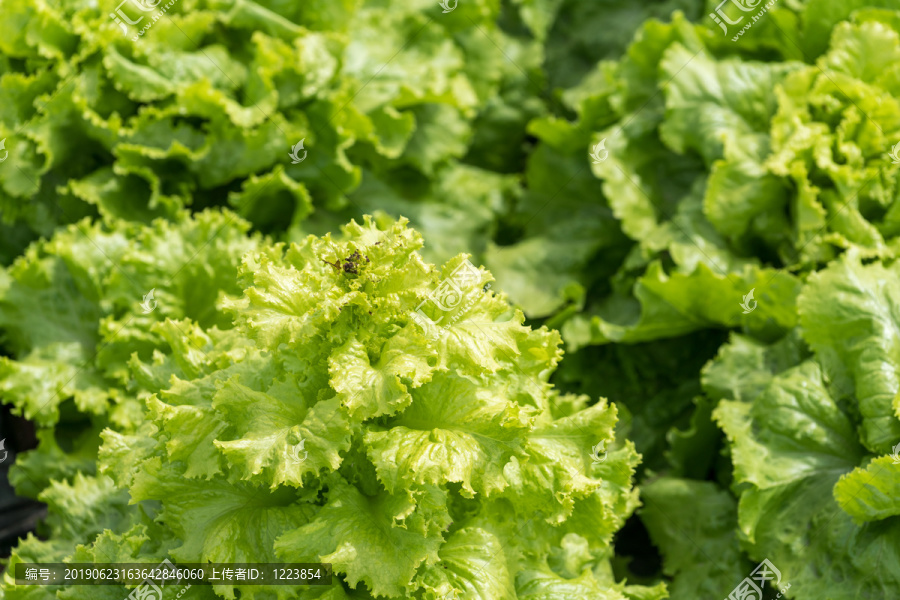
<point x="204" y="108"/>
<point x="767" y="165"/>
<point x="726" y="171"/>
<point x="332" y="420"/>
<point x="813" y="433"/>
<point x="71" y="314"/>
<point x="730" y="174"/>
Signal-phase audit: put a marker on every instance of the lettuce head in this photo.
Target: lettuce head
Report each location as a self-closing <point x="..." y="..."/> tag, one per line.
<point x="361" y="407"/>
